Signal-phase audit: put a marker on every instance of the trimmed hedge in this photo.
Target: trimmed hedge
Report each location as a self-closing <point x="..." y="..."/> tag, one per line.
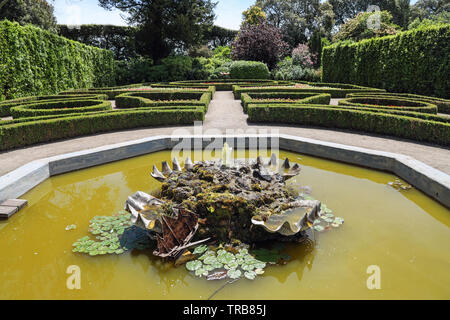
<point x="341" y="118"/>
<point x="36" y="62"/>
<point x="336" y="91"/>
<point x="443" y="105"/>
<point x="270" y="98"/>
<point x="6" y="105"/>
<point x="112" y="93"/>
<point x="163" y="99"/>
<point x="59" y="107"/>
<point x="18" y="133"/>
<point x="390" y="103"/>
<point x="249" y="70"/>
<point x="415" y="61"/>
<point x="220" y="85"/>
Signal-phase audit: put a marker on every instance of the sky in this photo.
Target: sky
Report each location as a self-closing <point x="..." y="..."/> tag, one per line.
<point x="228" y="12"/>
<point x="75" y="12"/>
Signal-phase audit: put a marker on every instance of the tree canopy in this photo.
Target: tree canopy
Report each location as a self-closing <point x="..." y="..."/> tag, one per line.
<point x="165" y="26"/>
<point x="36" y="12"/>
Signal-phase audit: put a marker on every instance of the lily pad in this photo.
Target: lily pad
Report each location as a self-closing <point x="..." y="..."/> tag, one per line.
<point x="234" y="274"/>
<point x="200" y="249"/>
<point x="194" y="265"/>
<point x="251" y="275"/>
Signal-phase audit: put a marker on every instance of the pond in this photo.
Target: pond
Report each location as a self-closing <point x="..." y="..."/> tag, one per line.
<point x="405" y="233"/>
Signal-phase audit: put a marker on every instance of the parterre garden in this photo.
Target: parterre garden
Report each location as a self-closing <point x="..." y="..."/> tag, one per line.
<point x="83" y="112"/>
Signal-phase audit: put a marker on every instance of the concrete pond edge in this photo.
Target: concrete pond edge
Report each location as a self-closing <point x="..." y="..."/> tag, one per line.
<point x="432" y="182"/>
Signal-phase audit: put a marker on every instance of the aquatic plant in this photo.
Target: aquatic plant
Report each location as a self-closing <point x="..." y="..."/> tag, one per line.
<point x="106" y="230"/>
<point x="220" y="264"/>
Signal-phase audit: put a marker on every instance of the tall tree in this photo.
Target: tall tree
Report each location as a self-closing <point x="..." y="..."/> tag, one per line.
<point x="348" y="9"/>
<point x="166" y="25"/>
<point x="426" y="9"/>
<point x="253" y="16"/>
<point x="298" y="19"/>
<point x="36" y="12"/>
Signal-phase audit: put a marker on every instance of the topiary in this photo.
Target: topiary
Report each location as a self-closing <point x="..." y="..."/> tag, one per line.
<point x="249" y="70"/>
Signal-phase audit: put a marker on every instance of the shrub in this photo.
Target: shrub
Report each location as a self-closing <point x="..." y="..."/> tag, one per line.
<point x="177" y="68"/>
<point x="59" y="107"/>
<point x="301" y="56"/>
<point x="249" y="70"/>
<point x="136" y="70"/>
<point x="414" y="61"/>
<point x="36" y="62"/>
<point x="261" y="42"/>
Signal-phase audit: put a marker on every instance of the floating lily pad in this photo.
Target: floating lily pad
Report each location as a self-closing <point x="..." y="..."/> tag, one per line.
<point x="200" y="249"/>
<point x="234" y="274"/>
<point x="194" y="265"/>
<point x="251" y="275"/>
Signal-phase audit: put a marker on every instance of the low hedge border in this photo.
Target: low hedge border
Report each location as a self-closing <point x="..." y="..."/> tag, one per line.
<point x="269" y="98"/>
<point x="221" y="85"/>
<point x="341" y="118"/>
<point x="17" y="133"/>
<point x="112" y="94"/>
<point x="390" y="103"/>
<point x="5" y="106"/>
<point x="334" y="92"/>
<point x="59" y="107"/>
<point x="442" y="104"/>
<point x="162" y="99"/>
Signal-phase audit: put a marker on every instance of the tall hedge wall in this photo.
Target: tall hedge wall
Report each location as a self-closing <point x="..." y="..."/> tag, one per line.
<point x="37" y="62"/>
<point x="415" y="61"/>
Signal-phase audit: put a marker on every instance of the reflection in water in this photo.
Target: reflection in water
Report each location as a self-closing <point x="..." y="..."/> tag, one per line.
<point x="381" y="227"/>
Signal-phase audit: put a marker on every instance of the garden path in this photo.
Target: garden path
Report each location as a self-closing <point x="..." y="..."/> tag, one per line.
<point x="226" y="113"/>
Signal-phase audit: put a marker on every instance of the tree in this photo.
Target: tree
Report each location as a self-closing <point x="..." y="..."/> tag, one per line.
<point x="165" y="26"/>
<point x="253" y="16"/>
<point x="427" y="9"/>
<point x="298" y="19"/>
<point x="347" y="9"/>
<point x="262" y="42"/>
<point x="36" y="12"/>
<point x="358" y="28"/>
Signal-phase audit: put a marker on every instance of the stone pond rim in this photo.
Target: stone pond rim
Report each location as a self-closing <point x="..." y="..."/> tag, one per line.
<point x="432" y="182"/>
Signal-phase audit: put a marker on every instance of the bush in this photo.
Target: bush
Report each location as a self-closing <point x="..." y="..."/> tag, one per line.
<point x="178" y="68"/>
<point x="249" y="70"/>
<point x="415" y="61"/>
<point x="37" y="62"/>
<point x="136" y="70"/>
<point x="59" y="107"/>
<point x="262" y="42"/>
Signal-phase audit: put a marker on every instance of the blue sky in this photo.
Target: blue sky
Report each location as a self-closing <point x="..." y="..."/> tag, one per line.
<point x="228" y="12"/>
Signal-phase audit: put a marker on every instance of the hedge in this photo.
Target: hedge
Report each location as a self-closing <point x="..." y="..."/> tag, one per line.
<point x="335" y="92"/>
<point x="112" y="93"/>
<point x="5" y="106"/>
<point x="37" y="62"/>
<point x="366" y="121"/>
<point x="249" y="70"/>
<point x="415" y="61"/>
<point x="443" y="105"/>
<point x="390" y="103"/>
<point x="59" y="107"/>
<point x="271" y="98"/>
<point x="220" y="85"/>
<point x="163" y="99"/>
<point x="18" y="133"/>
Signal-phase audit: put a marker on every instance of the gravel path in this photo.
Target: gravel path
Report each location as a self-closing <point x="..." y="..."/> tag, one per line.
<point x="226" y="113"/>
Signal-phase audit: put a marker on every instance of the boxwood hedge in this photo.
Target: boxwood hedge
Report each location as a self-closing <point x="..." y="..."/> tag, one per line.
<point x="220" y="85"/>
<point x="385" y="123"/>
<point x="59" y="107"/>
<point x="390" y="103"/>
<point x="282" y="97"/>
<point x="335" y="90"/>
<point x="5" y="106"/>
<point x="443" y="105"/>
<point x="27" y="131"/>
<point x="163" y="99"/>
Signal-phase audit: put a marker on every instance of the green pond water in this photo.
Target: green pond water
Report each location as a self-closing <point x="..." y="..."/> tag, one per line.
<point x="406" y="234"/>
